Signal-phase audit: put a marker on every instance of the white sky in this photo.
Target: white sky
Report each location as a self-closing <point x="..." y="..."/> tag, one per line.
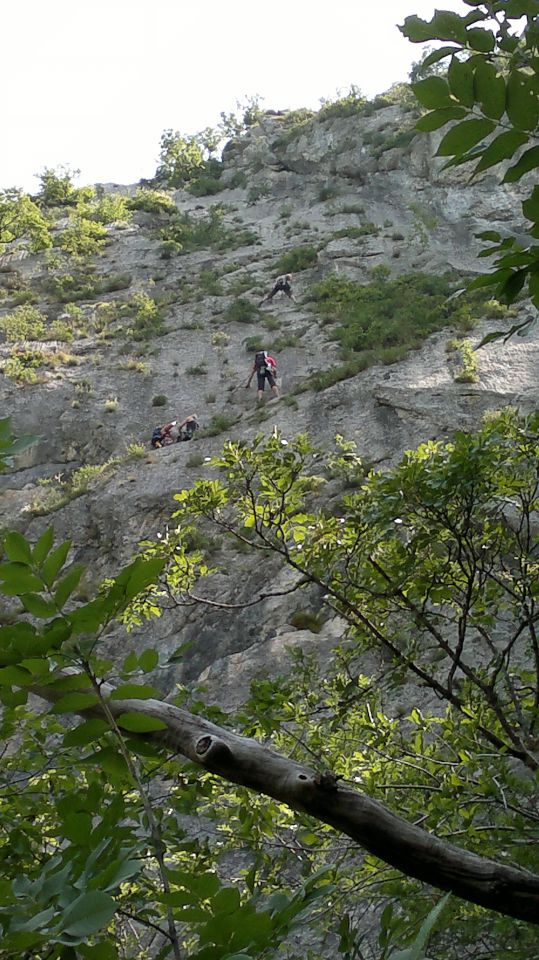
<point x="94" y="84"/>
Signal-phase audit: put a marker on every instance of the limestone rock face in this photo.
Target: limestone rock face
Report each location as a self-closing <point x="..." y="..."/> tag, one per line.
<point x="363" y="192"/>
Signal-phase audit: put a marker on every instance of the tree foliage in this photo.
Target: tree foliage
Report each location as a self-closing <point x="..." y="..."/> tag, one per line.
<point x="489" y="99"/>
<point x="180" y="158"/>
<point x="433" y="569"/>
<point x="57" y="188"/>
<point x="21" y="219"/>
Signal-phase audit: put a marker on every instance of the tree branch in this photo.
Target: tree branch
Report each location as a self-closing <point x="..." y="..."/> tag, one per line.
<point x="496" y="886"/>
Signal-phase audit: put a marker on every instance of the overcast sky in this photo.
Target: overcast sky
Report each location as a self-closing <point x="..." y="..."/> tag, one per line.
<point x="94" y="84"/>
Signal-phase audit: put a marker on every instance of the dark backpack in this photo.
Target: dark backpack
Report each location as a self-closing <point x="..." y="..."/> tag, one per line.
<point x="260" y="359"/>
<point x="157" y="437"/>
<point x="189" y="429"/>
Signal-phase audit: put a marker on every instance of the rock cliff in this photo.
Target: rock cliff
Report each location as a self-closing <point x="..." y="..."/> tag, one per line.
<point x="352" y="194"/>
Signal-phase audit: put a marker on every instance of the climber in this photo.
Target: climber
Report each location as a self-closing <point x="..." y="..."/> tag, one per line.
<point x="282" y="284"/>
<point x="187" y="428"/>
<point x="265" y="368"/>
<point x="175" y="432"/>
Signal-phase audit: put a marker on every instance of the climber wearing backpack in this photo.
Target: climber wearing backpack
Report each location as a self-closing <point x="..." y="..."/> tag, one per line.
<point x="174" y="432"/>
<point x="265" y="368"/>
<point x="282" y="284"/>
<point x="186" y="429"/>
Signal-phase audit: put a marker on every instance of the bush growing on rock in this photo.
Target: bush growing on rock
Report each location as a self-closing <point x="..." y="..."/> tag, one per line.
<point x="388" y="313"/>
<point x="296" y="260"/>
<point x="25" y="323"/>
<point x="241" y="311"/>
<point x="151" y="201"/>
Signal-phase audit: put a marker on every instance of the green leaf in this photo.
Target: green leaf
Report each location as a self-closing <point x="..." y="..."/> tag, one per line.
<point x="17" y="547"/>
<point x="88" y="914"/>
<point x="73" y="702"/>
<point x="438" y="55"/>
<point x="509" y="289"/>
<point x="491" y="235"/>
<point x="522" y="8"/>
<point x="88" y="618"/>
<point x="464" y="136"/>
<point x="480" y="40"/>
<point x="417" y="950"/>
<point x="134" y="691"/>
<point x="111" y="762"/>
<point x="148" y="660"/>
<point x="54" y="562"/>
<point x="86" y="733"/>
<point x="139" y="575"/>
<point x="43" y="546"/>
<point x="522" y="105"/>
<point x="139" y="723"/>
<point x="489" y="89"/>
<point x="34" y="922"/>
<point x="205" y="885"/>
<point x="14" y="676"/>
<point x="68" y="583"/>
<point x="118" y="872"/>
<point x="130" y="662"/>
<point x="227" y="900"/>
<point x="417" y="30"/>
<point x="97" y="951"/>
<point x="37" y="606"/>
<point x="18" y="579"/>
<point x="73" y="681"/>
<point x="37" y="667"/>
<point x="530" y="207"/>
<point x="501" y="148"/>
<point x="438" y="118"/>
<point x="77" y="826"/>
<point x="460" y="76"/>
<point x="433" y="92"/>
<point x="528" y="161"/>
<point x="21" y="444"/>
<point x="520" y="329"/>
<point x="13" y="698"/>
<point x="448" y="26"/>
<point x="56" y="633"/>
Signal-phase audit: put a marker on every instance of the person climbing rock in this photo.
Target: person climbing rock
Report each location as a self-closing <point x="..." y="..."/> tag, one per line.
<point x="282" y="284"/>
<point x="174" y="432"/>
<point x="265" y="368"/>
<point x="187" y="428"/>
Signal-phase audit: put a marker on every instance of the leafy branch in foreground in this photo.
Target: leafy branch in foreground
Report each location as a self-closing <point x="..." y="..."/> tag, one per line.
<point x="489" y="97"/>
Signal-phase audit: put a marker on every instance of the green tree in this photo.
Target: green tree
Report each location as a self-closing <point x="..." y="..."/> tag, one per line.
<point x="433" y="569"/>
<point x="57" y="188"/>
<point x="489" y="97"/>
<point x="21" y="219"/>
<point x="180" y="158"/>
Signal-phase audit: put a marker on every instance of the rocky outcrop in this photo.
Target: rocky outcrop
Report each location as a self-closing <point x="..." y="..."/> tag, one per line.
<point x="309" y="186"/>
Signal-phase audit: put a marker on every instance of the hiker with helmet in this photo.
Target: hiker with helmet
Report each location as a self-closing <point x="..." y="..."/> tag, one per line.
<point x="265" y="368"/>
<point x="282" y="284"/>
